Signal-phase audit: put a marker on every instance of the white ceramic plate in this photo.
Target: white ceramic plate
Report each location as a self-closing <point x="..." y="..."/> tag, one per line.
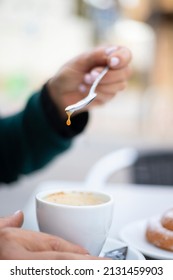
<point x="134" y="235"/>
<point x="132" y="254"/>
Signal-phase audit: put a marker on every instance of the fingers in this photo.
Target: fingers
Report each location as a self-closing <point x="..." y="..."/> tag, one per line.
<point x="113" y="56"/>
<point x="14" y="251"/>
<point x="114" y="81"/>
<point x="119" y="58"/>
<point x="89" y="60"/>
<point x="15" y="220"/>
<point x="21" y="244"/>
<point x="113" y="76"/>
<point x="38" y="241"/>
<point x="62" y="245"/>
<point x="107" y="92"/>
<point x="59" y="256"/>
<point x="73" y="81"/>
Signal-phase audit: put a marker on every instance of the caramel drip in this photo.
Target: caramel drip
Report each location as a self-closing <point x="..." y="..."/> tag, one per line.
<point x="68" y="122"/>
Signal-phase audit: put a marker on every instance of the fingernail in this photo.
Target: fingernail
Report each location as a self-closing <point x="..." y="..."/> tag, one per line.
<point x="114" y="61"/>
<point x="88" y="79"/>
<point x="17" y="212"/>
<point x="110" y="50"/>
<point x="82" y="88"/>
<point x="94" y="74"/>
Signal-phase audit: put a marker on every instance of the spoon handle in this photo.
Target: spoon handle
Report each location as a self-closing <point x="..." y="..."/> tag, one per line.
<point x="85" y="101"/>
<point x="98" y="79"/>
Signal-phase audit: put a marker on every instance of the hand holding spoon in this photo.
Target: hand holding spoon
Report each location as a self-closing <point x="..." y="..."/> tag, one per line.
<point x="85" y="101"/>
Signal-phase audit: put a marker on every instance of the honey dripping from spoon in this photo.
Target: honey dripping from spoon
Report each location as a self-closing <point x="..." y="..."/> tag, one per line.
<point x="68" y="122"/>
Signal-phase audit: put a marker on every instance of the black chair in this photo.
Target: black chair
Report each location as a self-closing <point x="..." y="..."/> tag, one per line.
<point x="153" y="168"/>
<point x="147" y="167"/>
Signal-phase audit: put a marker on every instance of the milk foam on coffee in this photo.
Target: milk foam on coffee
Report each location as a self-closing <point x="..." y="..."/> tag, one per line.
<point x="75" y="198"/>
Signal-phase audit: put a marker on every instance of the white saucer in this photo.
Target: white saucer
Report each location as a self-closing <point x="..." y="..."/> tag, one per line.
<point x="132" y="254"/>
<point x="134" y="235"/>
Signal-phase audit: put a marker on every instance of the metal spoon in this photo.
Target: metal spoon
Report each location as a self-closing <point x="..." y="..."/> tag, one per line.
<point x="85" y="101"/>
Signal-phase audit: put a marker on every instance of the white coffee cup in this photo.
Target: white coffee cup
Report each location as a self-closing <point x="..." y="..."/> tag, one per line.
<point x="85" y="225"/>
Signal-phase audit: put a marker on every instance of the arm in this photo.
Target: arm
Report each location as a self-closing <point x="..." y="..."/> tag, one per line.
<point x="31" y="138"/>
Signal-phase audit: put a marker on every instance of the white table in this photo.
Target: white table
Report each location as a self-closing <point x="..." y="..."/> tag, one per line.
<point x="132" y="202"/>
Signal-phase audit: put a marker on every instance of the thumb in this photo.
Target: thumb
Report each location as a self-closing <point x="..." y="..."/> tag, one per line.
<point x="91" y="59"/>
<point x="15" y="220"/>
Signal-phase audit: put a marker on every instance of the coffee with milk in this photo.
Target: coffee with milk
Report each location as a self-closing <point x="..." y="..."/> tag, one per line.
<point x="75" y="198"/>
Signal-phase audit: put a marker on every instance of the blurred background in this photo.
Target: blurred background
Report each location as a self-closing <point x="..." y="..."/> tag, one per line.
<point x="38" y="36"/>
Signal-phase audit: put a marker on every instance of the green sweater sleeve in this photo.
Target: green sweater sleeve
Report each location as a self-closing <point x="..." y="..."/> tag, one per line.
<point x="29" y="139"/>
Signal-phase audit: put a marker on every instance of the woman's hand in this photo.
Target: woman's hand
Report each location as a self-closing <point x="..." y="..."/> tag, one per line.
<point x="15" y="220"/>
<point x="72" y="83"/>
<point x="19" y="244"/>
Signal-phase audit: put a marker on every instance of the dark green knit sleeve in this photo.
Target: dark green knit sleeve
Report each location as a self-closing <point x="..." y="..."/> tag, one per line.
<point x="28" y="140"/>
